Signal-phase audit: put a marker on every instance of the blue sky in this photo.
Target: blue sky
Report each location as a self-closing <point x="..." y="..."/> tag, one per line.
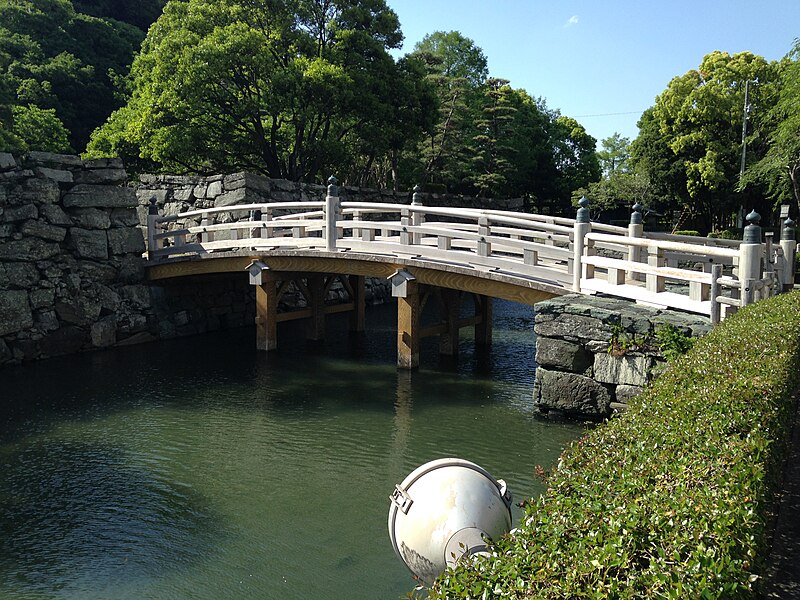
<point x="602" y="57"/>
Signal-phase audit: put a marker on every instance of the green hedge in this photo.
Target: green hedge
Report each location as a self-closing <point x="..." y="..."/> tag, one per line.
<point x="672" y="499"/>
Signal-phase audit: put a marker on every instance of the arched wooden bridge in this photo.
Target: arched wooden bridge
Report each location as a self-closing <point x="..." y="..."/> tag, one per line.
<point x="443" y="252"/>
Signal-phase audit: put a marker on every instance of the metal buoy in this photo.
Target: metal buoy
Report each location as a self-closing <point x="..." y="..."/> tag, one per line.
<point x="443" y="511"/>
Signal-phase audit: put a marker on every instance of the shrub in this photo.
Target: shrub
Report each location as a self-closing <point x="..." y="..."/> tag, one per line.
<point x="727" y="234"/>
<point x="672" y="499"/>
<point x="692" y="232"/>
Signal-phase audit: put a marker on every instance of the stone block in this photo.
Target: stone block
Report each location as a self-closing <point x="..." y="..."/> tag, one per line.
<point x="18" y="275"/>
<point x="28" y="249"/>
<point x="576" y="327"/>
<point x="625" y="393"/>
<point x="57" y="175"/>
<point x="52" y="159"/>
<point x="5" y="352"/>
<point x="137" y="296"/>
<point x="15" y="311"/>
<point x="40" y="229"/>
<point x="7" y="161"/>
<point x="562" y="355"/>
<point x="41" y="298"/>
<point x="102" y="176"/>
<point x="91" y="218"/>
<point x="103" y="163"/>
<point x="183" y="194"/>
<point x="233" y="197"/>
<point x="70" y="311"/>
<point x="98" y="272"/>
<point x="86" y="195"/>
<point x="54" y="214"/>
<point x="127" y="240"/>
<point x="124" y="217"/>
<point x="571" y="394"/>
<point x="6" y="230"/>
<point x="19" y="213"/>
<point x="214" y="189"/>
<point x="629" y="369"/>
<point x="89" y="243"/>
<point x="46" y="320"/>
<point x="131" y="269"/>
<point x="104" y="332"/>
<point x="40" y="191"/>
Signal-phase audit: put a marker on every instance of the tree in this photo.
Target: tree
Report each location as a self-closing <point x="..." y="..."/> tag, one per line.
<point x="614" y="155"/>
<point x="456" y="69"/>
<point x="690" y="141"/>
<point x="492" y="151"/>
<point x="779" y="169"/>
<point x="53" y="58"/>
<point x="575" y="158"/>
<point x="285" y="87"/>
<point x="139" y="13"/>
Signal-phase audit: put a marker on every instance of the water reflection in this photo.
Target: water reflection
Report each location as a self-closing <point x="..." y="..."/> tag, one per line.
<point x="199" y="468"/>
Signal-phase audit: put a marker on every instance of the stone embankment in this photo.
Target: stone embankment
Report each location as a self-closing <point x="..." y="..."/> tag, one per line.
<point x="594" y="354"/>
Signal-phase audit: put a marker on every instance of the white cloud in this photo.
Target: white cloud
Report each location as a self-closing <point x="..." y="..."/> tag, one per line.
<point x="573" y="20"/>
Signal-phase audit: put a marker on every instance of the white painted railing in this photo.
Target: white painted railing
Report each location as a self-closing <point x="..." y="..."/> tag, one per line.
<point x="701" y="275"/>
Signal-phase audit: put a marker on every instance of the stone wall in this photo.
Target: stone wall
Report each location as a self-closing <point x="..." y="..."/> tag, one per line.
<point x="593" y="354"/>
<point x="71" y="275"/>
<point x="176" y="194"/>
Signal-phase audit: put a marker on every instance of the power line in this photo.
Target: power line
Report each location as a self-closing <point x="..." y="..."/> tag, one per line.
<point x="633" y="112"/>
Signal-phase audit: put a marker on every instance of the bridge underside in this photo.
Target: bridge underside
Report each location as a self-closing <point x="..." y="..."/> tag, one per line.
<point x="313" y="273"/>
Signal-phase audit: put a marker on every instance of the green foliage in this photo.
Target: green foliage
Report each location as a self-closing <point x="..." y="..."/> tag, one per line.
<point x="672" y="499"/>
<point x="778" y="170"/>
<point x="693" y="232"/>
<point x="690" y="141"/>
<point x="55" y="59"/>
<point x="727" y="234"/>
<point x="40" y="129"/>
<point x="289" y="89"/>
<point x="672" y="342"/>
<point x="623" y="342"/>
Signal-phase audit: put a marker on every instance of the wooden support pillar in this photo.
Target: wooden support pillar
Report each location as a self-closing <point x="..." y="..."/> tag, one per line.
<point x="357" y="289"/>
<point x="315" y="328"/>
<point x="266" y="315"/>
<point x="408" y="330"/>
<point x="451" y="311"/>
<point x="483" y="329"/>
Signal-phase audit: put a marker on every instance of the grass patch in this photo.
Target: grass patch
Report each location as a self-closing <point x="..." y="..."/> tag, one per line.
<point x="673" y="498"/>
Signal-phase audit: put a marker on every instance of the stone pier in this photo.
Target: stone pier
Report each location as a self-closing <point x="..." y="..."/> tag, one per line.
<point x="594" y="354"/>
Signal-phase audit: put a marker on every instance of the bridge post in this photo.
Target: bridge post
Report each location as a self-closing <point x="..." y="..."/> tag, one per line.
<point x="255" y="215"/>
<point x="483" y="328"/>
<point x="357" y="286"/>
<point x="331" y="214"/>
<point x="417" y="218"/>
<point x="750" y="254"/>
<point x="789" y="245"/>
<point x="636" y="230"/>
<point x="406" y="290"/>
<point x="451" y="309"/>
<point x="582" y="226"/>
<point x="315" y="327"/>
<point x="266" y="305"/>
<point x="152" y="215"/>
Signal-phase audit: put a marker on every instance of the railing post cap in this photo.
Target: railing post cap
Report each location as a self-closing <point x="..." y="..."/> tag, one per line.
<point x="152" y="209"/>
<point x="416" y="199"/>
<point x="333" y="189"/>
<point x="752" y="233"/>
<point x="583" y="211"/>
<point x="636" y="215"/>
<point x="788" y="232"/>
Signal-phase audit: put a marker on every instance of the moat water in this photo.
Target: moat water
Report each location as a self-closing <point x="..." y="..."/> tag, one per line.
<point x="201" y="469"/>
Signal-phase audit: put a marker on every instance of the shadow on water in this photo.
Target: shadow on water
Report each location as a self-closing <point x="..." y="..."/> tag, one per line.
<point x="81" y="515"/>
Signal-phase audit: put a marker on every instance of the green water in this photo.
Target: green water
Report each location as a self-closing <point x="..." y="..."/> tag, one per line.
<point x="201" y="469"/>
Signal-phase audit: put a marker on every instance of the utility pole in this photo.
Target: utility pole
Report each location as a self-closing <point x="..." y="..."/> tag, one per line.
<point x="745" y="117"/>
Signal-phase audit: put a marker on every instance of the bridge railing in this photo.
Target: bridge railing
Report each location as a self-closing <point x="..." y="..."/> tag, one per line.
<point x="701" y="275"/>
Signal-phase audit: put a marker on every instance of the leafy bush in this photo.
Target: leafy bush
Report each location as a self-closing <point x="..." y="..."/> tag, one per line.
<point x="672" y="499"/>
<point x="727" y="234"/>
<point x="692" y="232"/>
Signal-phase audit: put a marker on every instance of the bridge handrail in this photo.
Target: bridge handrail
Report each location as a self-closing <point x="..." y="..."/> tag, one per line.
<point x="665" y="245"/>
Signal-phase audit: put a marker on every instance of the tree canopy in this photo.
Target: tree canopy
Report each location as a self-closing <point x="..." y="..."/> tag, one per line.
<point x="56" y="69"/>
<point x="289" y="88"/>
<point x="690" y="140"/>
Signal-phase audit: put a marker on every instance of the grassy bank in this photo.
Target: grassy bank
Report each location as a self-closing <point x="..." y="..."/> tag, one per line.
<point x="673" y="499"/>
